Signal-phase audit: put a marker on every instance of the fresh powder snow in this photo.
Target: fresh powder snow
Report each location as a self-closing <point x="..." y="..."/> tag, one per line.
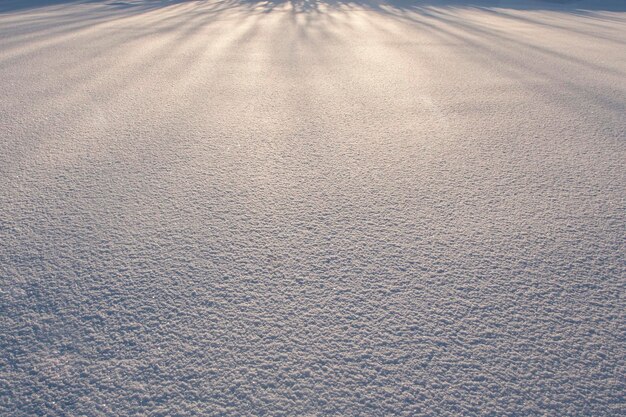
<point x="312" y="208"/>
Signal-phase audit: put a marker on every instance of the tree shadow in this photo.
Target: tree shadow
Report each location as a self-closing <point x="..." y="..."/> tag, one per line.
<point x="314" y="5"/>
<point x="182" y="22"/>
<point x="557" y="5"/>
<point x="21" y="5"/>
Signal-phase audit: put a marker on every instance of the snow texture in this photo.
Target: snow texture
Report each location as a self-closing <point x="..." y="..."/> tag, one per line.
<point x="312" y="208"/>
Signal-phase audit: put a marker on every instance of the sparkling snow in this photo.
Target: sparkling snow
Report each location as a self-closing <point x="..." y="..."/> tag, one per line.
<point x="312" y="208"/>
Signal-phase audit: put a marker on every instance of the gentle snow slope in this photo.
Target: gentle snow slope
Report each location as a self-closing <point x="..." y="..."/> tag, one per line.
<point x="223" y="208"/>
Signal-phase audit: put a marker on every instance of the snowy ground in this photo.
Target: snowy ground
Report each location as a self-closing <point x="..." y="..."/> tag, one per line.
<point x="312" y="208"/>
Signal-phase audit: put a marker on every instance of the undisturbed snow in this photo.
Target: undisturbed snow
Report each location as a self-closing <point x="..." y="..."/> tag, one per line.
<point x="239" y="208"/>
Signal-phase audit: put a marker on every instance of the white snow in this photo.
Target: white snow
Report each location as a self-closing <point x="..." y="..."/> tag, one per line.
<point x="311" y="208"/>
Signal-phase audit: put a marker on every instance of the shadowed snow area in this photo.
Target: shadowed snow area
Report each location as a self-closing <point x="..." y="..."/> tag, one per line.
<point x="312" y="208"/>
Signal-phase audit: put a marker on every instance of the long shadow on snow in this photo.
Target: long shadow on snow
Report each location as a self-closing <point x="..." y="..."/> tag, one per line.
<point x="311" y="5"/>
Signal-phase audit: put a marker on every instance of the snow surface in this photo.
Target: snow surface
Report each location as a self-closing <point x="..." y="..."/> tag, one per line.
<point x="312" y="208"/>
